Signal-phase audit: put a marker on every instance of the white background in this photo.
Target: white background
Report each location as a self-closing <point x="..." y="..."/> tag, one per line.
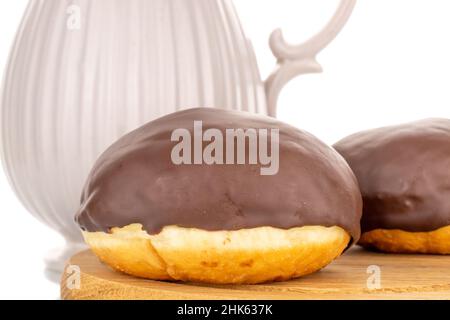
<point x="391" y="64"/>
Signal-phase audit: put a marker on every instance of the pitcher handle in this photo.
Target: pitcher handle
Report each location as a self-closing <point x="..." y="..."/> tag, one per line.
<point x="295" y="60"/>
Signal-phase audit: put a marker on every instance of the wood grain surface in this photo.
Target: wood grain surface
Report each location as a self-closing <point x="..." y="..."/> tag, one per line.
<point x="402" y="277"/>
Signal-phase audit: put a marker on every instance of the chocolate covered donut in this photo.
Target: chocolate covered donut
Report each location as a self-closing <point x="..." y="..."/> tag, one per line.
<point x="146" y="214"/>
<point x="404" y="176"/>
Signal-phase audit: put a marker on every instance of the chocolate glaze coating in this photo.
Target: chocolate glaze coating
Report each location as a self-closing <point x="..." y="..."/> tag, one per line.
<point x="135" y="181"/>
<point x="404" y="175"/>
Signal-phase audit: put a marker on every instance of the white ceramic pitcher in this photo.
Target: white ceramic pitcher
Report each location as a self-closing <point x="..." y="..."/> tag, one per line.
<point x="84" y="72"/>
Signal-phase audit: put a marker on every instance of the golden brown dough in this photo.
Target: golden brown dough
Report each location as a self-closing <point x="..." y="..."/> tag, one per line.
<point x="247" y="256"/>
<point x="398" y="241"/>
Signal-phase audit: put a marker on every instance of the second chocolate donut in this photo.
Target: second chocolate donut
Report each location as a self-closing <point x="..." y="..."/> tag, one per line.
<point x="404" y="176"/>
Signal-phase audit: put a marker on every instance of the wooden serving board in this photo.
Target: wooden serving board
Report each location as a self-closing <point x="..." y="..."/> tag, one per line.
<point x="402" y="277"/>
